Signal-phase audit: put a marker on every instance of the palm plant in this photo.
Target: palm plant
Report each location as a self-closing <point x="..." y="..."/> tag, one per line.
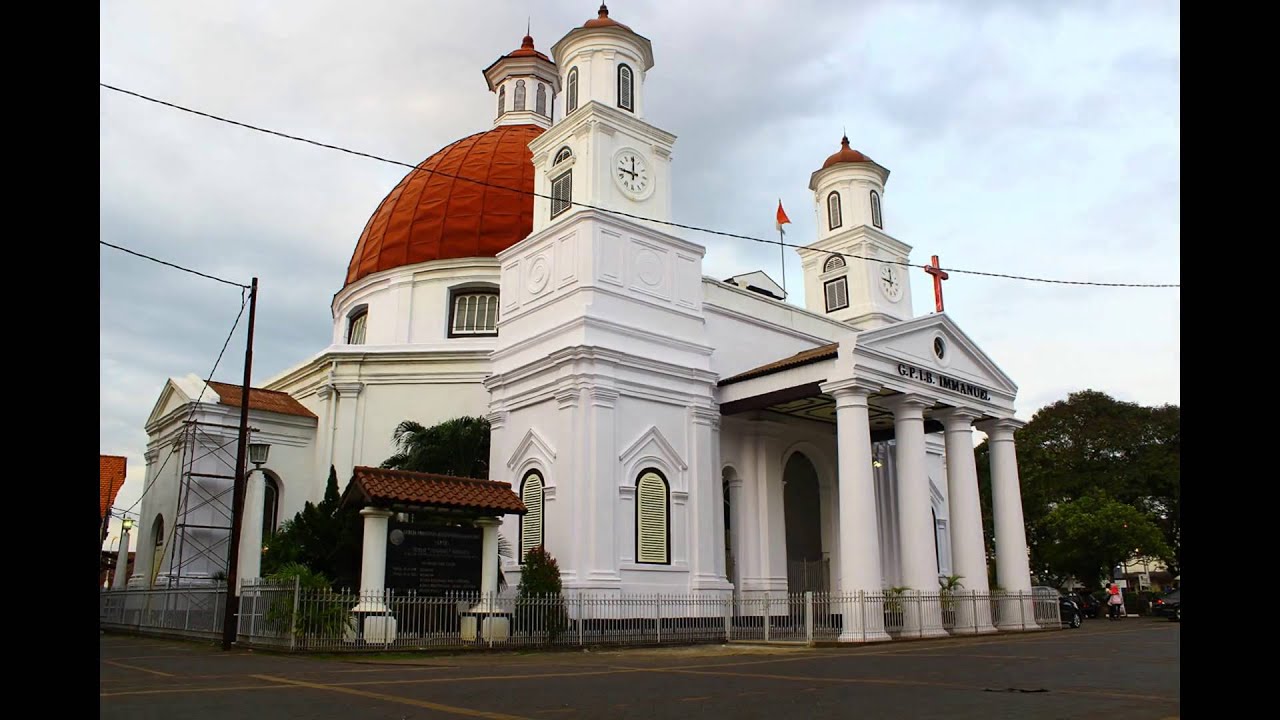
<point x="458" y="447"/>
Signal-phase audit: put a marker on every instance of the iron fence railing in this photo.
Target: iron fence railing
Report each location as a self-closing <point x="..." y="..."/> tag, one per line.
<point x="294" y="618"/>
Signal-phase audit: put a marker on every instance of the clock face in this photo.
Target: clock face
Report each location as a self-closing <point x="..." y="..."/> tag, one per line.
<point x="631" y="173"/>
<point x="890" y="282"/>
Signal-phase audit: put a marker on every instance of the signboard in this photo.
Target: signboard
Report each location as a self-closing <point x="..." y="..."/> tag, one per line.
<point x="433" y="559"/>
<point x="1122" y="584"/>
<point x="930" y="377"/>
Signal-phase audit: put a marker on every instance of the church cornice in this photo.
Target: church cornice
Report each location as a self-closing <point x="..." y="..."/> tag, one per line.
<point x="596" y="113"/>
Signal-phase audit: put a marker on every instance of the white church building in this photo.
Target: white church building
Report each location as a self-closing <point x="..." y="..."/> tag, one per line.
<point x="667" y="431"/>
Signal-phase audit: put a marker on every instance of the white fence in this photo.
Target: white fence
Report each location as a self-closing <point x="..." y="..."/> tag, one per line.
<point x="293" y="618"/>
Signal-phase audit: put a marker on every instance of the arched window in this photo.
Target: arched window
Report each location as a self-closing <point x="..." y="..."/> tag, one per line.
<point x="531" y="528"/>
<point x="562" y="193"/>
<point x="562" y="154"/>
<point x="625" y="94"/>
<point x="157" y="543"/>
<point x="518" y="101"/>
<point x="571" y="99"/>
<point x="270" y="506"/>
<point x="502" y="100"/>
<point x="875" y="209"/>
<point x="475" y="312"/>
<point x="653" y="507"/>
<point x="835" y="262"/>
<point x="833" y="210"/>
<point x="541" y="101"/>
<point x="355" y="327"/>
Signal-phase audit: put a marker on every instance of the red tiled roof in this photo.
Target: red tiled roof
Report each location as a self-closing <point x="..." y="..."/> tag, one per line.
<point x="110" y="477"/>
<point x="805" y="357"/>
<point x="380" y="486"/>
<point x="259" y="399"/>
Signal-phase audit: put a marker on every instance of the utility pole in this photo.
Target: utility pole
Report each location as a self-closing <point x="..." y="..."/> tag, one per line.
<point x="231" y="612"/>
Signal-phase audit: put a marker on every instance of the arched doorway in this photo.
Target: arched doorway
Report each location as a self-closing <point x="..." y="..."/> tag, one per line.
<point x="157" y="548"/>
<point x="728" y="488"/>
<point x="802" y="504"/>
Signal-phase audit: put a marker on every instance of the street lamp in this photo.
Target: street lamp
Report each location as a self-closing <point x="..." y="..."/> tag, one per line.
<point x="258" y="453"/>
<point x="127" y="524"/>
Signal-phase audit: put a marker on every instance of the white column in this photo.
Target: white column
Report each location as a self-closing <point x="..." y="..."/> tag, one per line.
<point x="249" y="563"/>
<point x="598" y="544"/>
<point x="706" y="503"/>
<point x="121" y="578"/>
<point x="916" y="532"/>
<point x="859" y="530"/>
<point x="489" y="562"/>
<point x="1013" y="571"/>
<point x="373" y="562"/>
<point x="344" y="428"/>
<point x="968" y="551"/>
<point x="734" y="540"/>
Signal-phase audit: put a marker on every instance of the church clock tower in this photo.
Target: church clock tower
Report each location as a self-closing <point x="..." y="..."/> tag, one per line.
<point x="601" y="152"/>
<point x="856" y="272"/>
<point x="601" y="395"/>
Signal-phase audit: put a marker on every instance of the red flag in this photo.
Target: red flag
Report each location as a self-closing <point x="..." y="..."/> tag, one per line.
<point x="782" y="216"/>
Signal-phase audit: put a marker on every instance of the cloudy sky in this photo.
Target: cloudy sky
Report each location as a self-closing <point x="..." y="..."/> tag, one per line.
<point x="1024" y="137"/>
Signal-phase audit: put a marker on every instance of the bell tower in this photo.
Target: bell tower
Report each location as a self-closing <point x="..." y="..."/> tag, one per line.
<point x="601" y="151"/>
<point x="856" y="272"/>
<point x="525" y="82"/>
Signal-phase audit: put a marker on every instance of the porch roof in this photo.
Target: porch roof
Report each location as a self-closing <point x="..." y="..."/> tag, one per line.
<point x="415" y="490"/>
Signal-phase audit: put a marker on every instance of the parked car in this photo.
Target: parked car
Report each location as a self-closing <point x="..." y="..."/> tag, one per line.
<point x="1087" y="603"/>
<point x="1068" y="610"/>
<point x="1169" y="606"/>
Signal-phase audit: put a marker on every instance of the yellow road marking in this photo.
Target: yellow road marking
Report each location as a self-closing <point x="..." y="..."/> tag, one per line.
<point x="174" y="691"/>
<point x="480" y="678"/>
<point x="695" y="699"/>
<point x="135" y="667"/>
<point x="395" y="699"/>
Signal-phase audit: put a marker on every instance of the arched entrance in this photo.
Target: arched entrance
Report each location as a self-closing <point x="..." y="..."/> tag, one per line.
<point x="802" y="504"/>
<point x="157" y="548"/>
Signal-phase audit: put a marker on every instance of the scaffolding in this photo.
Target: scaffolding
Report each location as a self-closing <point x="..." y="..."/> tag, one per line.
<point x="202" y="527"/>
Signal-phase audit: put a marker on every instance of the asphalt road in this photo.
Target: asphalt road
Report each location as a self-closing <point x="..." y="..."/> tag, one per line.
<point x="1124" y="669"/>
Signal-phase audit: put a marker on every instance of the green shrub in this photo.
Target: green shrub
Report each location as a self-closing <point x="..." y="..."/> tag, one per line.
<point x="318" y="610"/>
<point x="538" y="601"/>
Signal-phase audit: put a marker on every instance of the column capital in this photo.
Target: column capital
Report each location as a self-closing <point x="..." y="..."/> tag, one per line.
<point x="373" y="512"/>
<point x="487" y="522"/>
<point x="957" y="419"/>
<point x="908" y="405"/>
<point x="567" y="397"/>
<point x="347" y="389"/>
<point x="1000" y="428"/>
<point x="605" y="397"/>
<point x="705" y="415"/>
<point x="497" y="418"/>
<point x="850" y="388"/>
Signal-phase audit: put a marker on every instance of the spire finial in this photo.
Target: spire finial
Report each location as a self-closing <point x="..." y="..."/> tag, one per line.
<point x="528" y="26"/>
<point x="844" y="139"/>
<point x="604" y="10"/>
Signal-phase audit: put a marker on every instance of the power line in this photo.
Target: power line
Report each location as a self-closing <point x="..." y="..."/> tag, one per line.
<point x="244" y="300"/>
<point x="608" y="210"/>
<point x="179" y="267"/>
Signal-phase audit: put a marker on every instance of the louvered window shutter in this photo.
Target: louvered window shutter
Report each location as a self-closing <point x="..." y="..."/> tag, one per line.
<point x="651" y="520"/>
<point x="531" y="522"/>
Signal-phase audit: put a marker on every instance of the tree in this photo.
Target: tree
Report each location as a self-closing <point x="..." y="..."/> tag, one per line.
<point x="458" y="447"/>
<point x="1093" y="443"/>
<point x="1089" y="536"/>
<point x="326" y="539"/>
<point x="538" y="601"/>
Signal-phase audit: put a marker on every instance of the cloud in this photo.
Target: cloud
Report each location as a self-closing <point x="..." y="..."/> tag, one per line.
<point x="1027" y="138"/>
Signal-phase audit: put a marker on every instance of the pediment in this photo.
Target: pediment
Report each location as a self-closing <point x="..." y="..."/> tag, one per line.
<point x="912" y="342"/>
<point x="176" y="393"/>
<point x="532" y="443"/>
<point x="652" y="443"/>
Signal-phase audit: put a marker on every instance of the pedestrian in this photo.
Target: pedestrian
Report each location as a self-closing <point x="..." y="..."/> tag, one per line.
<point x="1115" y="601"/>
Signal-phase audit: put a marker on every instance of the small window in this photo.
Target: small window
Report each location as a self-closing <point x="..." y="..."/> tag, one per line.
<point x="518" y="100"/>
<point x="837" y="292"/>
<point x="875" y="209"/>
<point x="833" y="210"/>
<point x="571" y="99"/>
<point x="270" y="506"/>
<point x="531" y="529"/>
<point x="939" y="348"/>
<point x="835" y="262"/>
<point x="475" y="313"/>
<point x="562" y="193"/>
<point x="355" y="330"/>
<point x="625" y="97"/>
<point x="541" y="105"/>
<point x="653" y="541"/>
<point x="563" y="154"/>
<point x="502" y="100"/>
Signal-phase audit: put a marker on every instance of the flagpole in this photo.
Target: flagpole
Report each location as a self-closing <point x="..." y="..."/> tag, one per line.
<point x="782" y="251"/>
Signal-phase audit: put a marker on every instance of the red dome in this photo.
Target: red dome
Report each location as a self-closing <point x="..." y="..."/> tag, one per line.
<point x="603" y="20"/>
<point x="846" y="154"/>
<point x="430" y="216"/>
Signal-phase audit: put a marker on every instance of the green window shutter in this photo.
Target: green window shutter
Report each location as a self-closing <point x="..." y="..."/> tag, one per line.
<point x="531" y="522"/>
<point x="651" y="519"/>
